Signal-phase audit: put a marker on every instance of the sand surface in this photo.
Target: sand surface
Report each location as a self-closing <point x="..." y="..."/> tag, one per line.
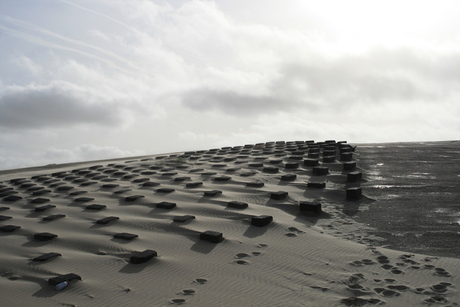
<point x="299" y="259"/>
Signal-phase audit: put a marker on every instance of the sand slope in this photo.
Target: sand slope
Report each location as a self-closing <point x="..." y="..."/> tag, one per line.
<point x="299" y="259"/>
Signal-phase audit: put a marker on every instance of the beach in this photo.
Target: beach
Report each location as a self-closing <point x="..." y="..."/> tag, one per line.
<point x="280" y="223"/>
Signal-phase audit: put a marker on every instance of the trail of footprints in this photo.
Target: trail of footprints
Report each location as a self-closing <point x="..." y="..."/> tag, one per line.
<point x="119" y="179"/>
<point x="293" y="232"/>
<point x="386" y="288"/>
<point x="187" y="292"/>
<point x="389" y="287"/>
<point x="240" y="259"/>
<point x="243" y="258"/>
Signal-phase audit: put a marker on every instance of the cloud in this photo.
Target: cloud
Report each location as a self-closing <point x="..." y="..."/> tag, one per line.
<point x="320" y="83"/>
<point x="85" y="152"/>
<point x="349" y="79"/>
<point x="231" y="102"/>
<point x="201" y="74"/>
<point x="58" y="105"/>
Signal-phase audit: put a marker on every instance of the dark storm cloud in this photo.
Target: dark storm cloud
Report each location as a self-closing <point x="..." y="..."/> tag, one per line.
<point x="38" y="108"/>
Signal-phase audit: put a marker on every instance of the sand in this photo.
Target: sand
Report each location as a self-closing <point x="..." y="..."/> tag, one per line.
<point x="162" y="205"/>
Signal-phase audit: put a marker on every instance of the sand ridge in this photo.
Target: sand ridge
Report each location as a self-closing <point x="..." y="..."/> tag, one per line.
<point x="91" y="219"/>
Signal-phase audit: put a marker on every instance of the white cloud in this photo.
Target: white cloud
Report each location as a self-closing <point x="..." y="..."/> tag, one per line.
<point x="199" y="73"/>
<point x="28" y="64"/>
<point x="87" y="152"/>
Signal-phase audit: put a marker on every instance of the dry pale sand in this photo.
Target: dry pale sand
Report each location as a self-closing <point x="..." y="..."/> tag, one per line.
<point x="299" y="259"/>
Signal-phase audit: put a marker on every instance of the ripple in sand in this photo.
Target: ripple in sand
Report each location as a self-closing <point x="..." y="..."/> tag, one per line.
<point x="4" y="218"/>
<point x="39" y="200"/>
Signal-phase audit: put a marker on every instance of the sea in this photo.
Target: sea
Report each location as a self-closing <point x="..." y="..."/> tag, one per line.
<point x="415" y="188"/>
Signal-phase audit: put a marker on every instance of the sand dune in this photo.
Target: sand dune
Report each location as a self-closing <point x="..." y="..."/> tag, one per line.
<point x="215" y="230"/>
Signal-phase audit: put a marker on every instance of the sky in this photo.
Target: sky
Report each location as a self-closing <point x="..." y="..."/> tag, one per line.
<point x="87" y="80"/>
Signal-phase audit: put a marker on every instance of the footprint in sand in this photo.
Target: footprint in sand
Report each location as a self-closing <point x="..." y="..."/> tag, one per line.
<point x="177" y="301"/>
<point x="261" y="245"/>
<point x="242" y="255"/>
<point x="320" y="288"/>
<point x="187" y="292"/>
<point x="406" y="256"/>
<point x="358" y="289"/>
<point x="375" y="251"/>
<point x="256" y="253"/>
<point x="439" y="288"/>
<point x="295" y="229"/>
<point x="383" y="259"/>
<point x="367" y="261"/>
<point x="387" y="266"/>
<point x="362" y="262"/>
<point x="396" y="271"/>
<point x="437" y="299"/>
<point x="357" y="263"/>
<point x="355" y="278"/>
<point x="241" y="262"/>
<point x="200" y="281"/>
<point x="441" y="272"/>
<point x="386" y="292"/>
<point x="293" y="232"/>
<point x="398" y="287"/>
<point x="358" y="301"/>
<point x="407" y="259"/>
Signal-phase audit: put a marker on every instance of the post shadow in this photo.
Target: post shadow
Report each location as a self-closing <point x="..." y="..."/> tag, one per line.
<point x="131" y="268"/>
<point x="254" y="231"/>
<point x="203" y="247"/>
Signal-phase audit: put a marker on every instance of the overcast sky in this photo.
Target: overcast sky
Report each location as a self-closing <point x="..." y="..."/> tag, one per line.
<point x="85" y="80"/>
